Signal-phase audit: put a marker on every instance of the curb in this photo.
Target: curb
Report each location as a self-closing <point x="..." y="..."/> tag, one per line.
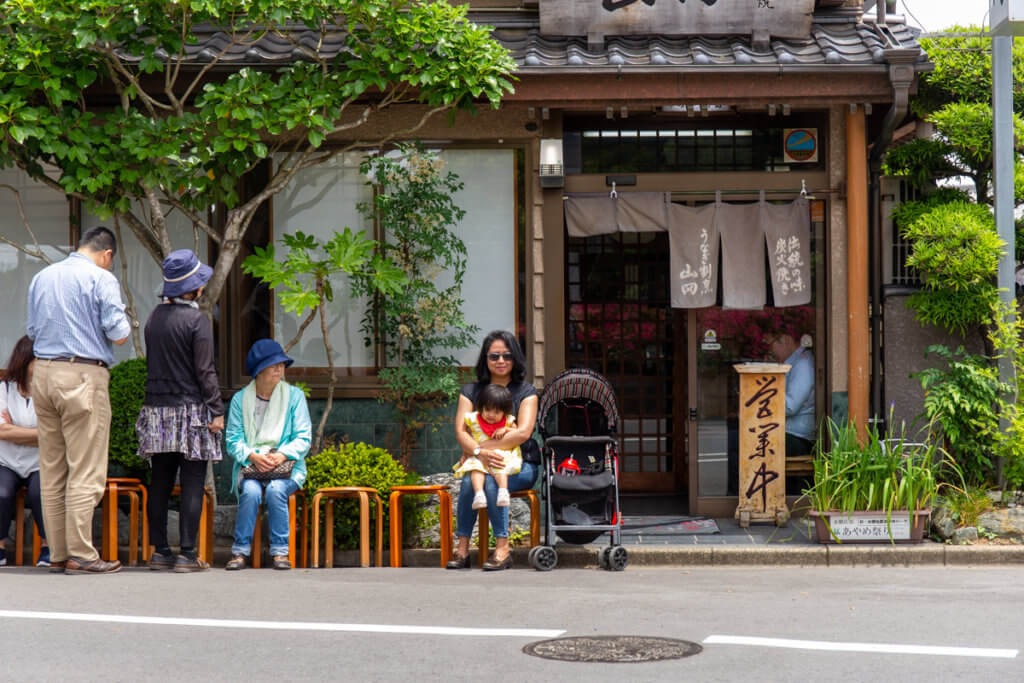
<point x="826" y="555"/>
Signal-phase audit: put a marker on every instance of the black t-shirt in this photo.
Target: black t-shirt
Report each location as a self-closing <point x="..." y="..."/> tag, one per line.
<point x="520" y="391"/>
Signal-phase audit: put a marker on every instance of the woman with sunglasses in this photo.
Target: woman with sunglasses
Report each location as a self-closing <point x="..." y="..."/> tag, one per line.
<point x="501" y="362"/>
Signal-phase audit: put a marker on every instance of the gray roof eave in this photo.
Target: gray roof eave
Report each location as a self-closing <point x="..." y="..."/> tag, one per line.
<point x="774" y="69"/>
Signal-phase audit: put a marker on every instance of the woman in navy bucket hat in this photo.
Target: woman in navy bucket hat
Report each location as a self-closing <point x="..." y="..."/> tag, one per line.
<point x="181" y="420"/>
<point x="268" y="426"/>
<point x="184" y="273"/>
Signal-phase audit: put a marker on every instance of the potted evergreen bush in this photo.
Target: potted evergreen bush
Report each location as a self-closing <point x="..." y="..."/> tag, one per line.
<point x="878" y="491"/>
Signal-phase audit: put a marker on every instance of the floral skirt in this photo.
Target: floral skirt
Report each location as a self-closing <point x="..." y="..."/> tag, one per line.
<point x="177" y="429"/>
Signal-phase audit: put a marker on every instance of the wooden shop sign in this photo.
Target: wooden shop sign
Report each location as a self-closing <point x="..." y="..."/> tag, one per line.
<point x="759" y="18"/>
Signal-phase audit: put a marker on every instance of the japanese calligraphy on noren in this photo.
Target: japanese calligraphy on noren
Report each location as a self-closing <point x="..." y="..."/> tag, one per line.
<point x="762" y="470"/>
<point x="789" y="266"/>
<point x="789" y="19"/>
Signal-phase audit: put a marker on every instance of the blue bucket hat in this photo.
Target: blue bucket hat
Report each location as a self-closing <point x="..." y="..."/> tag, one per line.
<point x="263" y="354"/>
<point x="183" y="273"/>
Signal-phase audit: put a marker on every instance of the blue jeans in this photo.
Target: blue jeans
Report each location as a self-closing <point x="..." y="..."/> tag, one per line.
<point x="277" y="493"/>
<point x="466" y="516"/>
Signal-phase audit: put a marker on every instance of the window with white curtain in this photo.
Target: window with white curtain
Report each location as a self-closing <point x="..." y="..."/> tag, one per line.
<point x="320" y="201"/>
<point x="46" y="211"/>
<point x="323" y="199"/>
<point x="489" y="232"/>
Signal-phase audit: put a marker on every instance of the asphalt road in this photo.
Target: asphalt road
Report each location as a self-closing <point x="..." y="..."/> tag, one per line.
<point x="396" y="624"/>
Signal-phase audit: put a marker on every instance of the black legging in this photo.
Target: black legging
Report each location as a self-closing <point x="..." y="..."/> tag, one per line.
<point x="10" y="482"/>
<point x="193" y="477"/>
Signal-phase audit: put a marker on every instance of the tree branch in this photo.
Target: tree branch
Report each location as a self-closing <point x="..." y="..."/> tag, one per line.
<point x="38" y="251"/>
<point x="302" y="328"/>
<point x="130" y="308"/>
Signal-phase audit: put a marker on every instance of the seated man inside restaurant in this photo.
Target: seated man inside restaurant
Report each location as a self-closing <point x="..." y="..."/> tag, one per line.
<point x="800" y="423"/>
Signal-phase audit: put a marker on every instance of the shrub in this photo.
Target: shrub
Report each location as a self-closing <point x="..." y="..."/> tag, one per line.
<point x="960" y="400"/>
<point x="359" y="464"/>
<point x="127" y="393"/>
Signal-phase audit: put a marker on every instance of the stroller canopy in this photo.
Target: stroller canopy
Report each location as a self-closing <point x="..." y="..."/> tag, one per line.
<point x="574" y="385"/>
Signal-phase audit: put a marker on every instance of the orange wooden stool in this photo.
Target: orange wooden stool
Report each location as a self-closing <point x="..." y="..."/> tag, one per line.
<point x="395" y="535"/>
<point x="204" y="544"/>
<point x="484" y="529"/>
<point x="133" y="488"/>
<point x="364" y="494"/>
<point x="19" y="530"/>
<point x="297" y="515"/>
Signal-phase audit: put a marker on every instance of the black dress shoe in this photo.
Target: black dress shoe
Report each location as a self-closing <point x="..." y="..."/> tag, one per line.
<point x="161" y="561"/>
<point x="493" y="565"/>
<point x="458" y="562"/>
<point x="184" y="564"/>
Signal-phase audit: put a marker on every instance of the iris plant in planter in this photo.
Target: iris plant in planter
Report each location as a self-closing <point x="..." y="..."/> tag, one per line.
<point x="880" y="490"/>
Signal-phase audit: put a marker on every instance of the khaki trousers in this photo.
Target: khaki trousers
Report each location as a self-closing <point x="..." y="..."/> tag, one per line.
<point x="72" y="403"/>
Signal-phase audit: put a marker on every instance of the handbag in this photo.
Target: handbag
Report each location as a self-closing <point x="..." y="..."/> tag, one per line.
<point x="282" y="471"/>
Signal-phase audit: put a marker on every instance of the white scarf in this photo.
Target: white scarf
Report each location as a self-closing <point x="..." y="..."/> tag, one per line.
<point x="270" y="431"/>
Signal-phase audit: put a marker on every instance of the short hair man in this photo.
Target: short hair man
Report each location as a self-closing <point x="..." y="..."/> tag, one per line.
<point x="800" y="426"/>
<point x="75" y="314"/>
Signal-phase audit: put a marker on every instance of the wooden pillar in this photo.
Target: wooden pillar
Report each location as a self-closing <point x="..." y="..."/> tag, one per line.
<point x="858" y="377"/>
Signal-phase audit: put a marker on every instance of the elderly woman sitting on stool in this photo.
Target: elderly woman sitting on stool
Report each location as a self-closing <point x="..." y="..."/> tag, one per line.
<point x="268" y="435"/>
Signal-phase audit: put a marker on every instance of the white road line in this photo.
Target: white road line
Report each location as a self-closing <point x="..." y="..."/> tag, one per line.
<point x="283" y="625"/>
<point x="862" y="647"/>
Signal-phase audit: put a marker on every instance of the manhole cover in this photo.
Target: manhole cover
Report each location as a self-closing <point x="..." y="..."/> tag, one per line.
<point x="612" y="649"/>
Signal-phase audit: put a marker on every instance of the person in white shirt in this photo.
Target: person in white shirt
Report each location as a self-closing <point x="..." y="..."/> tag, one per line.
<point x="19" y="445"/>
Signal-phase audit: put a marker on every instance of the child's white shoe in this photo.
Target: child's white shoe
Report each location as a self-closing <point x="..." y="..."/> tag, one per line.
<point x="503" y="498"/>
<point x="479" y="500"/>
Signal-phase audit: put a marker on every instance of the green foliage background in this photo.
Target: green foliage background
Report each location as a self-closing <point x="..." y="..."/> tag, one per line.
<point x="359" y="464"/>
<point x="127" y="393"/>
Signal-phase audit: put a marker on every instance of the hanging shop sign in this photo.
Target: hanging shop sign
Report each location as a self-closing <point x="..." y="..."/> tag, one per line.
<point x="758" y="18"/>
<point x="800" y="145"/>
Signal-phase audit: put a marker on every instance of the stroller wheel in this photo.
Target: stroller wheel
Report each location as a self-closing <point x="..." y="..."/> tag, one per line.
<point x="617" y="558"/>
<point x="603" y="557"/>
<point x="531" y="558"/>
<point x="543" y="558"/>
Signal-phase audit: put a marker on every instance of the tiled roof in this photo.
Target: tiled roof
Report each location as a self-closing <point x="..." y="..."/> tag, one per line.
<point x="831" y="44"/>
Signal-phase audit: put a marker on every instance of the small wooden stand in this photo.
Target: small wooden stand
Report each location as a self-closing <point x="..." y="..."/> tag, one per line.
<point x="762" y="454"/>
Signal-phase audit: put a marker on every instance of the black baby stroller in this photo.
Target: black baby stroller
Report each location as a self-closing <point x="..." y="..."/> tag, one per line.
<point x="577" y="418"/>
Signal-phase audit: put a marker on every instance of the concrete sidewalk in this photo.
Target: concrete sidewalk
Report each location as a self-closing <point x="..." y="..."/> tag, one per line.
<point x="792" y="545"/>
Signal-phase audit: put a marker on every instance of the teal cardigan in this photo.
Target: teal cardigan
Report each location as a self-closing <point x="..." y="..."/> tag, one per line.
<point x="294" y="443"/>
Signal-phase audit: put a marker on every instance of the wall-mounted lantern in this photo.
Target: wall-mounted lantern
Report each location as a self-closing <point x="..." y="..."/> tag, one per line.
<point x="551" y="167"/>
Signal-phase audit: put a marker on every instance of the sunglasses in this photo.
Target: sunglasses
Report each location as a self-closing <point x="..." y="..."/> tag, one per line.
<point x="502" y="356"/>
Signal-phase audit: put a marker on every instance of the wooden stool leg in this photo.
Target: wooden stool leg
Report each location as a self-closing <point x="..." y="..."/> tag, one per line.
<point x="364" y="529"/>
<point x="291" y="529"/>
<point x="208" y="527"/>
<point x="37" y="543"/>
<point x="257" y="538"/>
<point x="315" y="523"/>
<point x="19" y="526"/>
<point x="147" y="552"/>
<point x="109" y="545"/>
<point x="201" y="541"/>
<point x="380" y="530"/>
<point x="305" y="533"/>
<point x="329" y="534"/>
<point x="395" y="528"/>
<point x="534" y="519"/>
<point x="445" y="504"/>
<point x="133" y="528"/>
<point x="483" y="537"/>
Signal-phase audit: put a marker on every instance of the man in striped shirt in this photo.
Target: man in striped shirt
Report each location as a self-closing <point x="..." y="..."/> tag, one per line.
<point x="75" y="314"/>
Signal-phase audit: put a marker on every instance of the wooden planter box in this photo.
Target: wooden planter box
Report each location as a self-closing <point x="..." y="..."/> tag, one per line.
<point x="870" y="526"/>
